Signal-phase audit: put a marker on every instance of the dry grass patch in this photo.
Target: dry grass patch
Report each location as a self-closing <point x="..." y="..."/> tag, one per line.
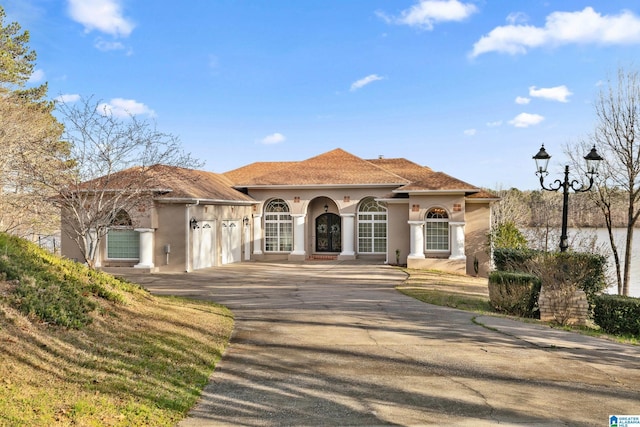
<point x="140" y="363"/>
<point x="446" y="289"/>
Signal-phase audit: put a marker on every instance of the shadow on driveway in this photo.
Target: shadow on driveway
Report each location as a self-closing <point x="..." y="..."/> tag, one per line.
<point x="333" y="343"/>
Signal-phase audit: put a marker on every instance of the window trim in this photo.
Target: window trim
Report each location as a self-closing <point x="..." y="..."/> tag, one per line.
<point x="442" y="220"/>
<point x="278" y="223"/>
<point x="373" y="221"/>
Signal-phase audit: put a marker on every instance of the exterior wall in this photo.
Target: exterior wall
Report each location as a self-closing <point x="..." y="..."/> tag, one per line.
<point x="478" y="224"/>
<point x="311" y="202"/>
<point x="345" y="199"/>
<point x="174" y="225"/>
<point x="398" y="232"/>
<point x="171" y="230"/>
<point x="68" y="247"/>
<point x="455" y="206"/>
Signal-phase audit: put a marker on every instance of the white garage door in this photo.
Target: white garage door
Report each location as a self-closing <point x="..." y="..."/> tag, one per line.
<point x="204" y="247"/>
<point x="231" y="241"/>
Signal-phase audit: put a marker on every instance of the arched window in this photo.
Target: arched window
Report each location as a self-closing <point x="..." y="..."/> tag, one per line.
<point x="436" y="230"/>
<point x="278" y="227"/>
<point x="122" y="241"/>
<point x="121" y="219"/>
<point x="372" y="227"/>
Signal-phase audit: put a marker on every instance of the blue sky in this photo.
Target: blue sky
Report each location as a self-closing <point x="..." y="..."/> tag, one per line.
<point x="467" y="87"/>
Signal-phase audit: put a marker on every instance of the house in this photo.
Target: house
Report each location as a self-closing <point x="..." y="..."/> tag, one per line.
<point x="331" y="206"/>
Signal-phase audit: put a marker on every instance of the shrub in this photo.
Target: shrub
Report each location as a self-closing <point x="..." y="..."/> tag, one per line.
<point x="53" y="289"/>
<point x="514" y="293"/>
<point x="60" y="304"/>
<point x="581" y="270"/>
<point x="507" y="235"/>
<point x="513" y="259"/>
<point x="617" y="314"/>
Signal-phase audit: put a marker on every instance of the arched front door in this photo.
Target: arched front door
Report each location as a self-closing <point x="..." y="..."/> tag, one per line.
<point x="328" y="235"/>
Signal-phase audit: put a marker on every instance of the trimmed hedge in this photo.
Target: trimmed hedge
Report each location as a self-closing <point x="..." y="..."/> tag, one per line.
<point x="514" y="293"/>
<point x="510" y="259"/>
<point x="617" y="314"/>
<point x="587" y="269"/>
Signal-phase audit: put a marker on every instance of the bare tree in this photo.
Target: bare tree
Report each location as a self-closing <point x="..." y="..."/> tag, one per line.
<point x="114" y="162"/>
<point x="617" y="111"/>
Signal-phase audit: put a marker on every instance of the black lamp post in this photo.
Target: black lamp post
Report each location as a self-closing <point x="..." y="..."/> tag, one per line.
<point x="542" y="161"/>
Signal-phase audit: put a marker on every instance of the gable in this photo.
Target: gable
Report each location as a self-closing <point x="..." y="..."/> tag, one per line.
<point x="336" y="167"/>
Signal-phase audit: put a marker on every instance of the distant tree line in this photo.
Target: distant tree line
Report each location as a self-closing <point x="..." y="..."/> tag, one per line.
<point x="538" y="208"/>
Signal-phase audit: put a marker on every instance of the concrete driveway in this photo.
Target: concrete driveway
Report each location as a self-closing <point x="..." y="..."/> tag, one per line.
<point x="332" y="343"/>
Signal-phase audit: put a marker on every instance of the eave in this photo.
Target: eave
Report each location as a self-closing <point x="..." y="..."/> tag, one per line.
<point x="314" y="186"/>
<point x="453" y="192"/>
<point x="196" y="201"/>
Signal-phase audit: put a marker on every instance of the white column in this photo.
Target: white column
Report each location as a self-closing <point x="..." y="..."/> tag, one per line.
<point x="348" y="227"/>
<point x="417" y="240"/>
<point x="146" y="248"/>
<point x="457" y="240"/>
<point x="247" y="240"/>
<point x="298" y="234"/>
<point x="257" y="234"/>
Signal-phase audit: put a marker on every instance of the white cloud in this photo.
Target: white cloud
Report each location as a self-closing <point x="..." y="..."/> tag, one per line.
<point x="558" y="93"/>
<point x="426" y="13"/>
<point x="274" y="138"/>
<point x="522" y="100"/>
<point x="470" y="132"/>
<point x="106" y="46"/>
<point x="101" y="15"/>
<point x="68" y="98"/>
<point x="365" y="81"/>
<point x="120" y="107"/>
<point x="494" y="124"/>
<point x="524" y="120"/>
<point x="582" y="27"/>
<point x="36" y="76"/>
<point x="517" y="18"/>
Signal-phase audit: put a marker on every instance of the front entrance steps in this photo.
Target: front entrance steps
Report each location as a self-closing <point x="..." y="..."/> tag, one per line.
<point x="317" y="257"/>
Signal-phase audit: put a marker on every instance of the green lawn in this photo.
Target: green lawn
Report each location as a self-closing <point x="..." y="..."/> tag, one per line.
<point x="78" y="347"/>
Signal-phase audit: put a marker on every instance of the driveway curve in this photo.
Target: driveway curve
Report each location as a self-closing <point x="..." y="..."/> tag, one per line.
<point x="334" y="344"/>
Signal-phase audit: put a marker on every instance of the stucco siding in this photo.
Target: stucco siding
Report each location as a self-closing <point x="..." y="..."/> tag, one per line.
<point x="477" y="229"/>
<point x="172" y="232"/>
<point x="397" y="232"/>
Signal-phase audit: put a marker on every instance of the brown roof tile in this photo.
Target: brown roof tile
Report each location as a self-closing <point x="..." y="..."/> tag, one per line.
<point x="247" y="173"/>
<point x="178" y="182"/>
<point x="336" y="167"/>
<point x="437" y="181"/>
<point x="402" y="167"/>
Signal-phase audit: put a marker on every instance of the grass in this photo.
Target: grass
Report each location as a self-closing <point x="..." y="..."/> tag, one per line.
<point x="135" y="359"/>
<point x="436" y="297"/>
<point x="448" y="290"/>
<point x="472" y="294"/>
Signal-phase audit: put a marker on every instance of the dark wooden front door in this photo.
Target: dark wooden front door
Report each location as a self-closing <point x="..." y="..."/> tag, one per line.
<point x="328" y="236"/>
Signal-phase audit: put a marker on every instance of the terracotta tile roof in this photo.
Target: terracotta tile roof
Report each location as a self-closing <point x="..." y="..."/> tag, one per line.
<point x="178" y="182"/>
<point x="336" y="167"/>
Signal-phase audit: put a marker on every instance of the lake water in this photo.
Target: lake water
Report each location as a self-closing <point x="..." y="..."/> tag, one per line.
<point x="602" y="237"/>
